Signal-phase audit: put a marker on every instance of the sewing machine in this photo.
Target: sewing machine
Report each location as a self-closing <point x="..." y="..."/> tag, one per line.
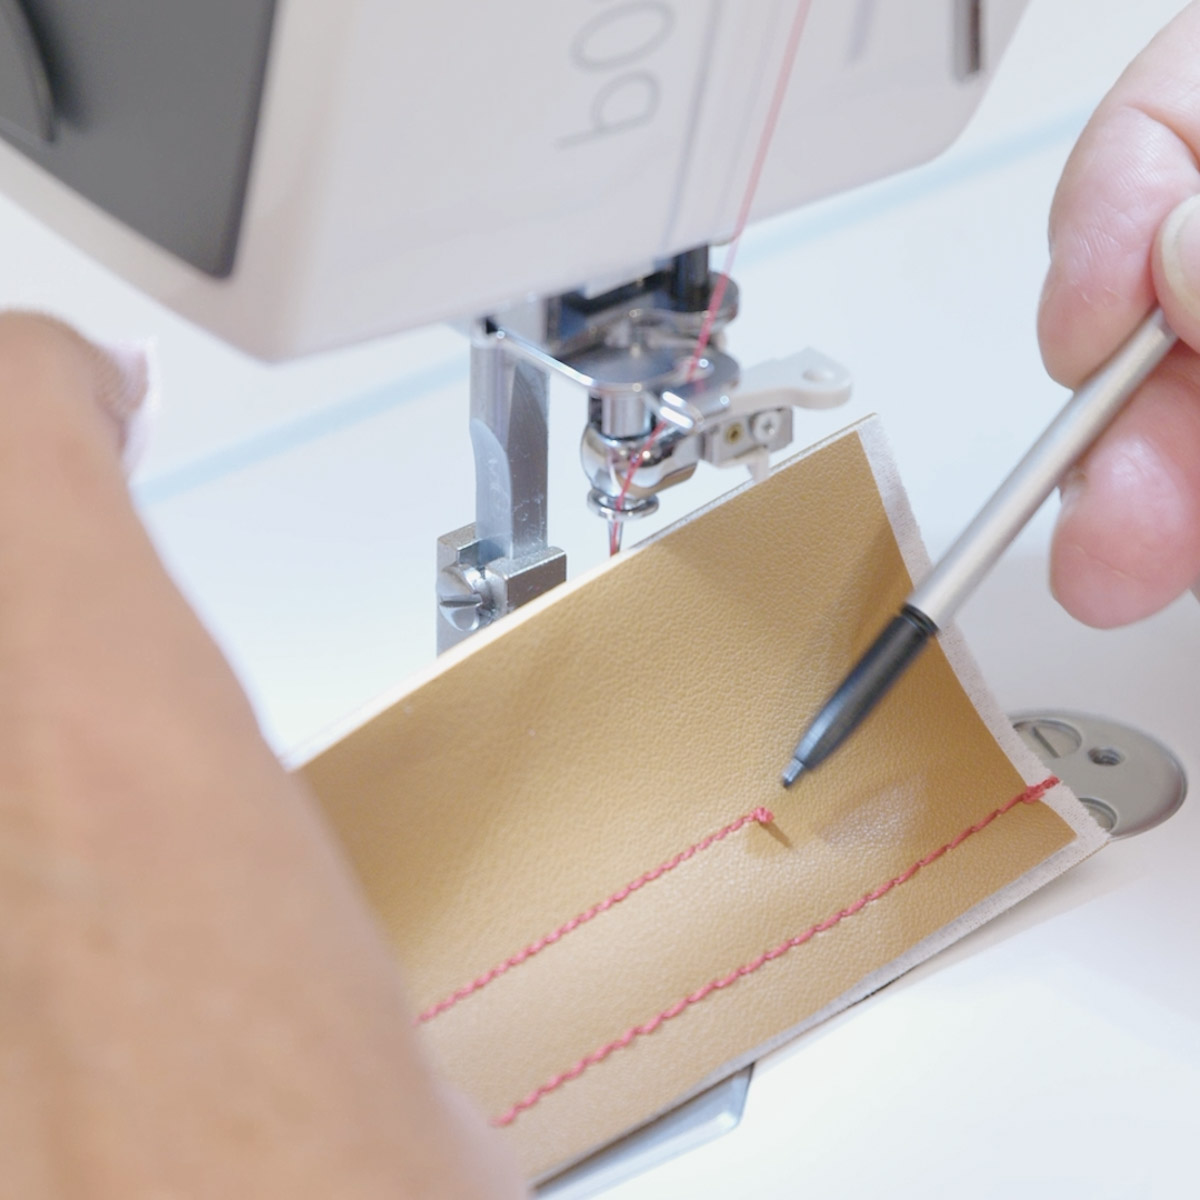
<point x="280" y="202"/>
<point x="1084" y="1006"/>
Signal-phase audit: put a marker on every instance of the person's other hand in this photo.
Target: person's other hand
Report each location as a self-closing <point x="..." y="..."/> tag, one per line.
<point x="195" y="999"/>
<point x="1125" y="235"/>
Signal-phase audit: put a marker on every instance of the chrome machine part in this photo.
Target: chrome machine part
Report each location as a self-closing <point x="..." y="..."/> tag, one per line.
<point x="1126" y="779"/>
<point x="503" y="560"/>
<point x="699" y="1120"/>
<point x="632" y="349"/>
<point x="740" y="423"/>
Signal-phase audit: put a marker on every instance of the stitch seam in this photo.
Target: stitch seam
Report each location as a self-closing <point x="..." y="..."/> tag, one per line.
<point x="1030" y="796"/>
<point x="760" y="816"/>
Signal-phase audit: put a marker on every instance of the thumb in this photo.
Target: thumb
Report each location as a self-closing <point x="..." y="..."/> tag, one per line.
<point x="1177" y="270"/>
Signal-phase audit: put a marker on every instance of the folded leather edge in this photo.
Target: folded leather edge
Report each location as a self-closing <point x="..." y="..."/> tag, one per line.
<point x="916" y="559"/>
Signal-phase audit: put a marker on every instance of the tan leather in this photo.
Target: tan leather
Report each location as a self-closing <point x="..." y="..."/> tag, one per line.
<point x="600" y="734"/>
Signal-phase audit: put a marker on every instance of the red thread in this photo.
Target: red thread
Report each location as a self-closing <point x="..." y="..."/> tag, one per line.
<point x="756" y="170"/>
<point x="614" y="528"/>
<point x="761" y="816"/>
<point x="719" y="288"/>
<point x="1029" y="796"/>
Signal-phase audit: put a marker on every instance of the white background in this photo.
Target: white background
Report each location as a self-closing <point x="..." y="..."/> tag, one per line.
<point x="1054" y="1053"/>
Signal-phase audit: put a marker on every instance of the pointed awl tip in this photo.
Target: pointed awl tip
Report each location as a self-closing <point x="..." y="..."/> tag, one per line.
<point x="793" y="772"/>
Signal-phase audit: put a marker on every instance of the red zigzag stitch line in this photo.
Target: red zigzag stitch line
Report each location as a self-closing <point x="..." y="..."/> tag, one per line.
<point x="1029" y="796"/>
<point x="761" y="816"/>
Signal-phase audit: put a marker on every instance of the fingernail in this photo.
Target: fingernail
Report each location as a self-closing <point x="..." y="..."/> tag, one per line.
<point x="130" y="394"/>
<point x="126" y="387"/>
<point x="1180" y="240"/>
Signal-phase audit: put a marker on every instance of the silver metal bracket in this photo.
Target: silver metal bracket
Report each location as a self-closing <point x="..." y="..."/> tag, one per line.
<point x="699" y="1120"/>
<point x="473" y="593"/>
<point x="502" y="560"/>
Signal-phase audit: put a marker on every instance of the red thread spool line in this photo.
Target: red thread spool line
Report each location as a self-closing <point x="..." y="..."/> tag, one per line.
<point x="722" y="284"/>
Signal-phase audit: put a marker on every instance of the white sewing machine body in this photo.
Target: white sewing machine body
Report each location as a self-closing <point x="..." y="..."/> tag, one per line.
<point x="297" y="175"/>
<point x="414" y="163"/>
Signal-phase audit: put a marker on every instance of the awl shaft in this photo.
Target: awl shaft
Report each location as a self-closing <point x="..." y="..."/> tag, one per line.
<point x="1080" y="422"/>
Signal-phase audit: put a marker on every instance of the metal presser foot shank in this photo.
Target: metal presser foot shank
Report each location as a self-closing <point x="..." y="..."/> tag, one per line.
<point x="502" y="560"/>
<point x="657" y="407"/>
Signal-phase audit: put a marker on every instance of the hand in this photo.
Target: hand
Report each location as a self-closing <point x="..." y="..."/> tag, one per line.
<point x="1125" y="235"/>
<point x="194" y="997"/>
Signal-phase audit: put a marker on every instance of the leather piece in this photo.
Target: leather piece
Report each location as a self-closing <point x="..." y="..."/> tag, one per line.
<point x="601" y="731"/>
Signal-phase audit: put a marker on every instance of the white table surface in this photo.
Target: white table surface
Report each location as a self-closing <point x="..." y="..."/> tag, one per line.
<point x="1056" y="1052"/>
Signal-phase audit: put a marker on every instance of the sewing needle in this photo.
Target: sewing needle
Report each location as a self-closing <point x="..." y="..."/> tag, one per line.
<point x="927" y="610"/>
